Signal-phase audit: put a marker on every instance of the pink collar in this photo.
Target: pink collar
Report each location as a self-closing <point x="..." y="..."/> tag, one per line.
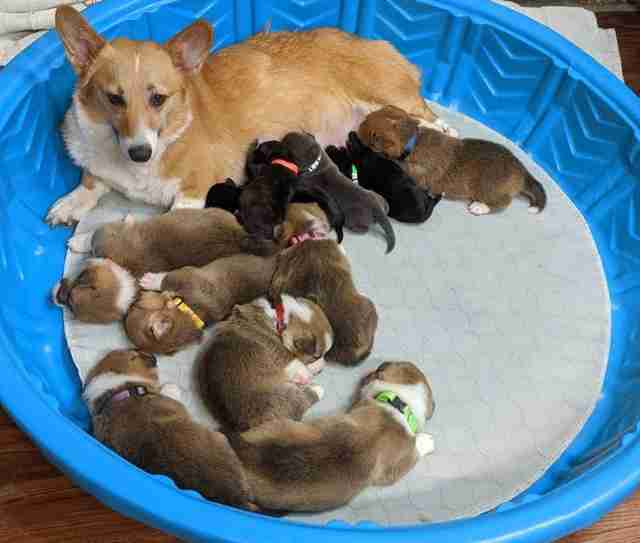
<point x="299" y="238"/>
<point x="280" y="324"/>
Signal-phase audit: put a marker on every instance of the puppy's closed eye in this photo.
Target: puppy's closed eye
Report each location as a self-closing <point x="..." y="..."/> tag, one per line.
<point x="306" y="345"/>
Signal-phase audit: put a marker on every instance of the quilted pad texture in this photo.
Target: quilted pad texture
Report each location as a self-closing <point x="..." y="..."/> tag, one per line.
<point x="508" y="314"/>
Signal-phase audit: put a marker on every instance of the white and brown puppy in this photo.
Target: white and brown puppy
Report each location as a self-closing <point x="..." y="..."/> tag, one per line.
<point x="320" y="271"/>
<point x="146" y="425"/>
<point x="260" y="362"/>
<point x="101" y="293"/>
<point x="322" y="464"/>
<point x="190" y="299"/>
<point x="162" y="123"/>
<point x="184" y="237"/>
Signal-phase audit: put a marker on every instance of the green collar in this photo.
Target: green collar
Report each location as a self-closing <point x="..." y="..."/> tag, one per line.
<point x="391" y="398"/>
<point x="354" y="174"/>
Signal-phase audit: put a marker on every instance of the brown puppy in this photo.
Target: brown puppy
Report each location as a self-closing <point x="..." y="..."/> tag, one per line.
<point x="484" y="173"/>
<point x="192" y="298"/>
<point x="185" y="237"/>
<point x="320" y="271"/>
<point x="145" y="424"/>
<point x="260" y="362"/>
<point x="162" y="123"/>
<point x="324" y="463"/>
<point x="101" y="293"/>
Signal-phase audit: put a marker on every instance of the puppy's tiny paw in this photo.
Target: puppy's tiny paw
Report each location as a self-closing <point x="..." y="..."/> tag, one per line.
<point x="446" y="128"/>
<point x="478" y="208"/>
<point x="302" y="378"/>
<point x="533" y="210"/>
<point x="188" y="203"/>
<point x="316" y="367"/>
<point x="152" y="281"/>
<point x="172" y="391"/>
<point x="318" y="390"/>
<point x="80" y="243"/>
<point x="129" y="219"/>
<point x="425" y="444"/>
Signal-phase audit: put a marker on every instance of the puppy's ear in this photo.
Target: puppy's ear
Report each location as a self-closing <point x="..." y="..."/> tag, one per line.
<point x="82" y="44"/>
<point x="258" y="157"/>
<point x="224" y="195"/>
<point x="159" y="325"/>
<point x="354" y="144"/>
<point x="190" y="48"/>
<point x="340" y="157"/>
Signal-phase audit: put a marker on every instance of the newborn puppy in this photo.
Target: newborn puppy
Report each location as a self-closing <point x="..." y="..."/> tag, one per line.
<point x="484" y="173"/>
<point x="145" y="424"/>
<point x="101" y="293"/>
<point x="361" y="207"/>
<point x="260" y="362"/>
<point x="190" y="298"/>
<point x="324" y="463"/>
<point x="184" y="237"/>
<point x="373" y="171"/>
<point x="320" y="271"/>
<point x="224" y="195"/>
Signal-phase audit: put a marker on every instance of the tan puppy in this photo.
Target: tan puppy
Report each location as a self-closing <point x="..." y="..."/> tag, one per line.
<point x="162" y="123"/>
<point x="101" y="293"/>
<point x="146" y="425"/>
<point x="192" y="298"/>
<point x="259" y="364"/>
<point x="484" y="173"/>
<point x="324" y="463"/>
<point x="184" y="237"/>
<point x="320" y="271"/>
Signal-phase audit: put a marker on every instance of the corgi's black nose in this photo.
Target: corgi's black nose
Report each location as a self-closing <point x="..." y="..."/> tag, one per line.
<point x="140" y="153"/>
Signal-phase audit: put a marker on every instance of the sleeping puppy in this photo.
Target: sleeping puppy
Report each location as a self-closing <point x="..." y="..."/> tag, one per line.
<point x="101" y="293"/>
<point x="485" y="174"/>
<point x="324" y="463"/>
<point x="319" y="270"/>
<point x="104" y="291"/>
<point x="184" y="237"/>
<point x="224" y="195"/>
<point x="145" y="424"/>
<point x="260" y="362"/>
<point x="361" y="207"/>
<point x="190" y="299"/>
<point x="373" y="171"/>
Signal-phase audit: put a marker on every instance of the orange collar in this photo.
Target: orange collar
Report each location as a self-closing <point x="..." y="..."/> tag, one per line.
<point x="289" y="165"/>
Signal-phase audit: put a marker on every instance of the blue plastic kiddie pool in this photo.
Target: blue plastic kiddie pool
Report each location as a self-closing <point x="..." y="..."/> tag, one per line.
<point x="572" y="116"/>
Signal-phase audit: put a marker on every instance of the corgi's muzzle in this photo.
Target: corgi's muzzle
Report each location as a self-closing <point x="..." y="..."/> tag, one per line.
<point x="140" y="153"/>
<point x="139" y="148"/>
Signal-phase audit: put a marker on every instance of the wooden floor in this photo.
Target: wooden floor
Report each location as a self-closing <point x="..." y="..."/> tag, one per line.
<point x="39" y="504"/>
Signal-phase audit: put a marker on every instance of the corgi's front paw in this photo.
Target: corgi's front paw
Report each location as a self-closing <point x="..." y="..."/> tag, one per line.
<point x="80" y="243"/>
<point x="478" y="208"/>
<point x="425" y="444"/>
<point x="152" y="281"/>
<point x="318" y="390"/>
<point x="71" y="208"/>
<point x="172" y="391"/>
<point x="182" y="202"/>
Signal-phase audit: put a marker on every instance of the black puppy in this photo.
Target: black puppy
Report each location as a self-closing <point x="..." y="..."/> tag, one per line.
<point x="361" y="207"/>
<point x="407" y="201"/>
<point x="260" y="204"/>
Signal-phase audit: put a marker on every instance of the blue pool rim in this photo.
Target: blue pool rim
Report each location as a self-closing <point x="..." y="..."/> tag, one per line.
<point x="575" y="504"/>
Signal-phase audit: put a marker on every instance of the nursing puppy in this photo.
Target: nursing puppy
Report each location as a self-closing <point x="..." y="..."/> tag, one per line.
<point x="407" y="201"/>
<point x="483" y="173"/>
<point x="319" y="271"/>
<point x="101" y="293"/>
<point x="324" y="463"/>
<point x="190" y="299"/>
<point x="260" y="362"/>
<point x="184" y="237"/>
<point x="145" y="424"/>
<point x="160" y="123"/>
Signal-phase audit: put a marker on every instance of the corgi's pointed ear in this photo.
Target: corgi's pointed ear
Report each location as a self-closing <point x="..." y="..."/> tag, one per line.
<point x="190" y="47"/>
<point x="82" y="44"/>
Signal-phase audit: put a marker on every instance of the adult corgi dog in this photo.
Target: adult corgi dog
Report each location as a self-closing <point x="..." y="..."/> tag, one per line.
<point x="163" y="123"/>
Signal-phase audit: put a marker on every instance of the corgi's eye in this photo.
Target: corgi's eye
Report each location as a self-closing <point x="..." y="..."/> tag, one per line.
<point x="116" y="99"/>
<point x="156" y="100"/>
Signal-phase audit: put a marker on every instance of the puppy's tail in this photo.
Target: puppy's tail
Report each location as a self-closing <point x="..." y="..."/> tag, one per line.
<point x="534" y="191"/>
<point x="380" y="217"/>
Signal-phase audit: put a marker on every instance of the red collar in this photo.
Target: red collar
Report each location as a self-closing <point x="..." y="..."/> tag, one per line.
<point x="299" y="238"/>
<point x="289" y="165"/>
<point x="280" y="324"/>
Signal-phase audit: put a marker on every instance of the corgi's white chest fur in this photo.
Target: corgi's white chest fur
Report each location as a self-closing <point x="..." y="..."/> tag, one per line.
<point x="95" y="148"/>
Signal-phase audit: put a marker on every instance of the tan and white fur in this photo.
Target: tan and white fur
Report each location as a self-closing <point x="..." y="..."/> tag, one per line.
<point x="322" y="464"/>
<point x="155" y="432"/>
<point x="162" y="123"/>
<point x="252" y="374"/>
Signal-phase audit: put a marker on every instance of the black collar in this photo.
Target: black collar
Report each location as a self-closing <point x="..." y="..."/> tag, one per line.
<point x="409" y="146"/>
<point x="121" y="395"/>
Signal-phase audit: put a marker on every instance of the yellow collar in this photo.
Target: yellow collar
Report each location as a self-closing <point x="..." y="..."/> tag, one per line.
<point x="180" y="305"/>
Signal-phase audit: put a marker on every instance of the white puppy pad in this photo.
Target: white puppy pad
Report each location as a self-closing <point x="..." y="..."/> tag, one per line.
<point x="507" y="314"/>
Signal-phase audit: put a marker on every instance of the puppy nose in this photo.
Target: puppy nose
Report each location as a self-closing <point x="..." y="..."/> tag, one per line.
<point x="62" y="296"/>
<point x="140" y="153"/>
